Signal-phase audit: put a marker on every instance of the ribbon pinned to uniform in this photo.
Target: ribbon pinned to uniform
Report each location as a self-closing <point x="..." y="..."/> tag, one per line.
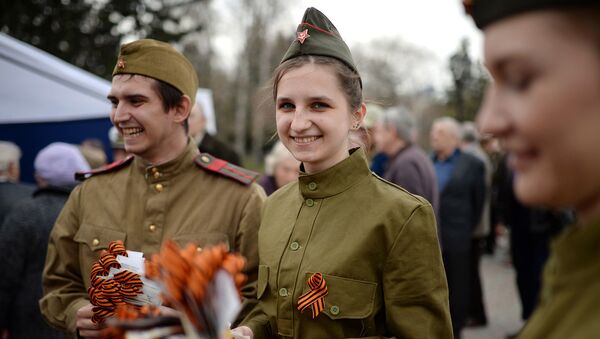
<point x="315" y="297"/>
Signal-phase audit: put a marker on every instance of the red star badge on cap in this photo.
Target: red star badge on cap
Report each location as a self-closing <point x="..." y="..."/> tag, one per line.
<point x="121" y="63"/>
<point x="301" y="36"/>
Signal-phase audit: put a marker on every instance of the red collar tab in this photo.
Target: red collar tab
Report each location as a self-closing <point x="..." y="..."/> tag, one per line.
<point x="81" y="176"/>
<point x="222" y="167"/>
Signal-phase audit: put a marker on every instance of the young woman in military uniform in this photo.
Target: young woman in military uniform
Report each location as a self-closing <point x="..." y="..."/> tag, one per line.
<point x="544" y="105"/>
<point x="342" y="252"/>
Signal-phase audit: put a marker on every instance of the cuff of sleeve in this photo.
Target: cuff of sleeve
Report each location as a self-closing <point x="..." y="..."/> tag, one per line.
<point x="71" y="312"/>
<point x="259" y="329"/>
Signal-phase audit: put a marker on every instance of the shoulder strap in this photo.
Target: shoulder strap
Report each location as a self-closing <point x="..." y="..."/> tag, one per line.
<point x="81" y="176"/>
<point x="222" y="167"/>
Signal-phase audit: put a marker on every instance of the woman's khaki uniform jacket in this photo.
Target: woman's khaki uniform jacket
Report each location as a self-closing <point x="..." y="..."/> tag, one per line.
<point x="374" y="243"/>
<point x="143" y="206"/>
<point x="569" y="305"/>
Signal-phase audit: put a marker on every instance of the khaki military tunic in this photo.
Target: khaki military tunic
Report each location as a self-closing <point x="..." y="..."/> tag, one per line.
<point x="375" y="245"/>
<point x="569" y="304"/>
<point x="144" y="205"/>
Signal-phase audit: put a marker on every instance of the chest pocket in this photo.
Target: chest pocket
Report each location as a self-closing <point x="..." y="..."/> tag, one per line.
<point x="202" y="239"/>
<point x="347" y="298"/>
<point x="96" y="237"/>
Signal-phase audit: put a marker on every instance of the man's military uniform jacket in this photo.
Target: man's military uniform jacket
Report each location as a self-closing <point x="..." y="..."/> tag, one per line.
<point x="376" y="247"/>
<point x="569" y="305"/>
<point x="144" y="205"/>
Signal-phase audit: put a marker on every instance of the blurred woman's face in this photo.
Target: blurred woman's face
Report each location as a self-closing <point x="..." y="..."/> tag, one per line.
<point x="544" y="105"/>
<point x="286" y="171"/>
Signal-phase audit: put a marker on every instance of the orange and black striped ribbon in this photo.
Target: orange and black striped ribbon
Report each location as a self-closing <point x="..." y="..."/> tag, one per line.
<point x="315" y="297"/>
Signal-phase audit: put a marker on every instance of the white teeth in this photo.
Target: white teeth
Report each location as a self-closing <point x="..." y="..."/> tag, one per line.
<point x="132" y="131"/>
<point x="305" y="140"/>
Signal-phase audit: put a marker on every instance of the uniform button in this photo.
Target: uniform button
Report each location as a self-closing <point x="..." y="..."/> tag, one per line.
<point x="310" y="202"/>
<point x="312" y="186"/>
<point x="95" y="242"/>
<point x="156" y="175"/>
<point x="205" y="159"/>
<point x="199" y="249"/>
<point x="294" y="246"/>
<point x="152" y="228"/>
<point x="283" y="292"/>
<point x="154" y="170"/>
<point x="334" y="310"/>
<point x="159" y="187"/>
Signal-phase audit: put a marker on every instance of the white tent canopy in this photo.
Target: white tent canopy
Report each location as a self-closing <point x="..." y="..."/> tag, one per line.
<point x="38" y="87"/>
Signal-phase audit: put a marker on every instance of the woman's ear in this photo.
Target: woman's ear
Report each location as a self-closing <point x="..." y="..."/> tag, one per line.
<point x="182" y="110"/>
<point x="359" y="116"/>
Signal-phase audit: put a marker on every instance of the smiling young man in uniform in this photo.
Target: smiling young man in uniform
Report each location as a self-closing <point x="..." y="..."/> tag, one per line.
<point x="166" y="190"/>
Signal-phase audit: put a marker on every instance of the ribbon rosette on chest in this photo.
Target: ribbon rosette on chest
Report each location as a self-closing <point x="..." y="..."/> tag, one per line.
<point x="314" y="298"/>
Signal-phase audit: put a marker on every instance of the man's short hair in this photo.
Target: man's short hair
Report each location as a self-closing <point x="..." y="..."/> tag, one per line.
<point x="451" y="125"/>
<point x="9" y="153"/>
<point x="402" y="120"/>
<point x="469" y="132"/>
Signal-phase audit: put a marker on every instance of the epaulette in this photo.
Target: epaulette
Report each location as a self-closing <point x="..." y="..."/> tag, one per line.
<point x="220" y="166"/>
<point x="81" y="176"/>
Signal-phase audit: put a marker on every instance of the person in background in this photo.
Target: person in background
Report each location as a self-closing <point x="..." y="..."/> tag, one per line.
<point x="543" y="105"/>
<point x="470" y="144"/>
<point x="11" y="190"/>
<point x="281" y="168"/>
<point x="377" y="160"/>
<point x="166" y="191"/>
<point x="408" y="166"/>
<point x="24" y="239"/>
<point x="461" y="181"/>
<point x="206" y="142"/>
<point x="93" y="152"/>
<point x="117" y="145"/>
<point x="343" y="253"/>
<point x="492" y="148"/>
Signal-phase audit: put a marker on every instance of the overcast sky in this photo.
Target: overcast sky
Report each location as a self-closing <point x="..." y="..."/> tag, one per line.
<point x="436" y="26"/>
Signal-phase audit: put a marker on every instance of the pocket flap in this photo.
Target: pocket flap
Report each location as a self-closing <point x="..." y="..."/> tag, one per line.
<point x="347" y="298"/>
<point x="202" y="239"/>
<point x="263" y="280"/>
<point x="96" y="237"/>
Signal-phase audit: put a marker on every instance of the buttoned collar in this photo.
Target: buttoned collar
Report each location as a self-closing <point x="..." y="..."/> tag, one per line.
<point x="336" y="179"/>
<point x="169" y="169"/>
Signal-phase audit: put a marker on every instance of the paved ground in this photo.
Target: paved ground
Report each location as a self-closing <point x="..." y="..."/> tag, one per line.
<point x="501" y="300"/>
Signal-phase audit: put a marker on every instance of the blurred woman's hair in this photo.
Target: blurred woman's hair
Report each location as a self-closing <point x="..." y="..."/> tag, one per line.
<point x="278" y="153"/>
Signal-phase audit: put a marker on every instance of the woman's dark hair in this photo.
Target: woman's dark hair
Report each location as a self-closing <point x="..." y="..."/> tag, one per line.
<point x="587" y="20"/>
<point x="348" y="79"/>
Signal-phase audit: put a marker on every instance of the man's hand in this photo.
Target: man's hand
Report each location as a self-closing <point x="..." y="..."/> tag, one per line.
<point x="242" y="332"/>
<point x="85" y="327"/>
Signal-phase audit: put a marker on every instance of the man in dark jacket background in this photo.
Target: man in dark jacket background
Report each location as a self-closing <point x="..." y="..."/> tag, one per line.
<point x="461" y="181"/>
<point x="24" y="240"/>
<point x="11" y="190"/>
<point x="206" y="142"/>
<point x="407" y="166"/>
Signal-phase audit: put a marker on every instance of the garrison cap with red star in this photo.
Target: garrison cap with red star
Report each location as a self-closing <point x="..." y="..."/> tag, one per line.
<point x="316" y="35"/>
